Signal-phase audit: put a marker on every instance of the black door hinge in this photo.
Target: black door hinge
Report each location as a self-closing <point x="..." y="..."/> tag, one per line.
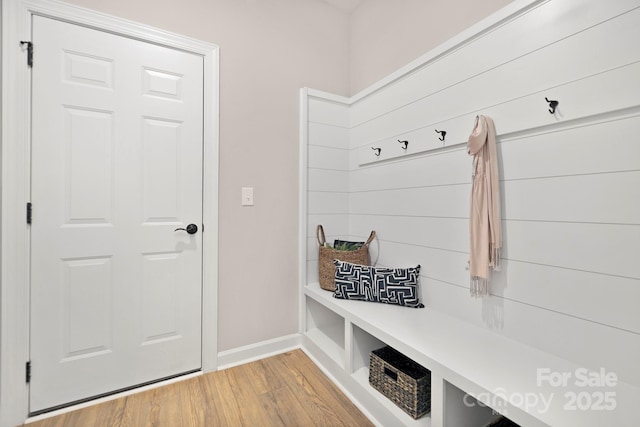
<point x="29" y="52"/>
<point x="28" y="372"/>
<point x="29" y="211"/>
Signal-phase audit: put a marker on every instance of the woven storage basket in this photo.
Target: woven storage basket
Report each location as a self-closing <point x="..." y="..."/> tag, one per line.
<point x="403" y="381"/>
<point x="326" y="255"/>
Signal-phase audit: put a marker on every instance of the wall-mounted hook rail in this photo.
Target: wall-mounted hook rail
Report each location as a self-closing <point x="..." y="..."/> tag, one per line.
<point x="376" y="150"/>
<point x="404" y="144"/>
<point x="442" y="133"/>
<point x="552" y="105"/>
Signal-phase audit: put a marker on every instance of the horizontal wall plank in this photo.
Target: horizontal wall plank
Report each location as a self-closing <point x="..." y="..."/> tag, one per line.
<point x="328" y="180"/>
<point x="332" y="224"/>
<point x="528" y="33"/>
<point x="604" y="198"/>
<point x="327" y="203"/>
<point x="587" y="148"/>
<point x="328" y="158"/>
<point x="586" y="343"/>
<point x="600" y="248"/>
<point x="441" y="233"/>
<point x="328" y="112"/>
<point x="452" y="167"/>
<point x="439" y="201"/>
<point x="325" y="135"/>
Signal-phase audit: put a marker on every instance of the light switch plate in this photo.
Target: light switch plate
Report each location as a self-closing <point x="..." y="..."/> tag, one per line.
<point x="247" y="196"/>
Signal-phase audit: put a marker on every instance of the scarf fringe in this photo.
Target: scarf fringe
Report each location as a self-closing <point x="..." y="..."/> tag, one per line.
<point x="479" y="286"/>
<point x="494" y="260"/>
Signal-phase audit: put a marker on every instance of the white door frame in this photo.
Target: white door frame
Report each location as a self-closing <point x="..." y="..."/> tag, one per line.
<point x="16" y="176"/>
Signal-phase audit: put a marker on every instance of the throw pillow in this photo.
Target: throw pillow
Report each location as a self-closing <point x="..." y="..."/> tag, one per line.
<point x="398" y="286"/>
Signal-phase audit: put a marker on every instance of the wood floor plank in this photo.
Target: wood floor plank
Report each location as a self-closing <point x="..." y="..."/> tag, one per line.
<point x="110" y="413"/>
<point x="272" y="378"/>
<point x="252" y="413"/>
<point x="194" y="403"/>
<point x="312" y="396"/>
<point x="322" y="389"/>
<point x="82" y="418"/>
<point x="220" y="392"/>
<point x="134" y="406"/>
<point x="284" y="402"/>
<point x="165" y="407"/>
<point x="283" y="390"/>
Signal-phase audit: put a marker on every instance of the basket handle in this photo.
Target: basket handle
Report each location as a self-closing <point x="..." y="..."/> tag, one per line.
<point x="322" y="239"/>
<point x="320" y="235"/>
<point x="393" y="375"/>
<point x="371" y="237"/>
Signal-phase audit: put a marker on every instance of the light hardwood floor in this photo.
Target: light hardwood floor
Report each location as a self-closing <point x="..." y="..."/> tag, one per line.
<point x="283" y="390"/>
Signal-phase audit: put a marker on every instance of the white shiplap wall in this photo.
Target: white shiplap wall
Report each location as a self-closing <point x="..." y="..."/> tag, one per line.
<point x="570" y="280"/>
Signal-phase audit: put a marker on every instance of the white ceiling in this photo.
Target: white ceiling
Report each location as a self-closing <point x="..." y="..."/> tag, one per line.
<point x="346" y="5"/>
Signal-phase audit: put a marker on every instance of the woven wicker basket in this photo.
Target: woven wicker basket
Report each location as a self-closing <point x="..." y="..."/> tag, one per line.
<point x="326" y="268"/>
<point x="403" y="381"/>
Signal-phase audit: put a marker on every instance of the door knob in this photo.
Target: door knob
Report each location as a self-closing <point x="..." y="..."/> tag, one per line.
<point x="191" y="229"/>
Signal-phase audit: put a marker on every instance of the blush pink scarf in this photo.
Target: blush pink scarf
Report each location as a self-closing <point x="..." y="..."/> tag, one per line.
<point x="484" y="224"/>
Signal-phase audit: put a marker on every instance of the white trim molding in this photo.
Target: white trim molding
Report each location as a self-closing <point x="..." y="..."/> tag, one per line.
<point x="302" y="206"/>
<point x="261" y="350"/>
<point x="16" y="173"/>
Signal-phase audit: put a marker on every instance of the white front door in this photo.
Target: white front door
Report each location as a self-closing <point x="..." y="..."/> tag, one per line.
<point x="117" y="146"/>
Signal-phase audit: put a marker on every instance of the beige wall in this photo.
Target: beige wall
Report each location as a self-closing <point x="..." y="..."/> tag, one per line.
<point x="385" y="35"/>
<point x="269" y="49"/>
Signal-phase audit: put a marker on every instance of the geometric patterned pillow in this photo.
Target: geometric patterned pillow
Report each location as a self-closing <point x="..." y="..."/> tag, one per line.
<point x="397" y="286"/>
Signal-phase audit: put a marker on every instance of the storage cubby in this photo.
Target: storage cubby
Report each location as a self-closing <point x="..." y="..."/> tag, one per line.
<point x="463" y="410"/>
<point x="326" y="329"/>
<point x="363" y="344"/>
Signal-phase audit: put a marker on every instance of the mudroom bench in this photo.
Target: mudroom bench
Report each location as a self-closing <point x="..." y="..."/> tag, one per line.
<point x="475" y="373"/>
<point x="558" y="340"/>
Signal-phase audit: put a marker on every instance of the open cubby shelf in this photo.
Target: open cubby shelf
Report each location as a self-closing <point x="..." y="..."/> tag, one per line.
<point x="326" y="329"/>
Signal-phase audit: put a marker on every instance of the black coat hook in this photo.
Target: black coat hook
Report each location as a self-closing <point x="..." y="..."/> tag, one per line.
<point x="376" y="151"/>
<point x="552" y="105"/>
<point x="442" y="133"/>
<point x="404" y="144"/>
<point x="29" y="52"/>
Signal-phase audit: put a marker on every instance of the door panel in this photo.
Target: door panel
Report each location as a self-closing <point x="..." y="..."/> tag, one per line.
<point x="116" y="168"/>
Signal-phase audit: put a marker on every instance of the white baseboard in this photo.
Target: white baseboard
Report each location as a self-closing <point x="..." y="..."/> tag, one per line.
<point x="252" y="352"/>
